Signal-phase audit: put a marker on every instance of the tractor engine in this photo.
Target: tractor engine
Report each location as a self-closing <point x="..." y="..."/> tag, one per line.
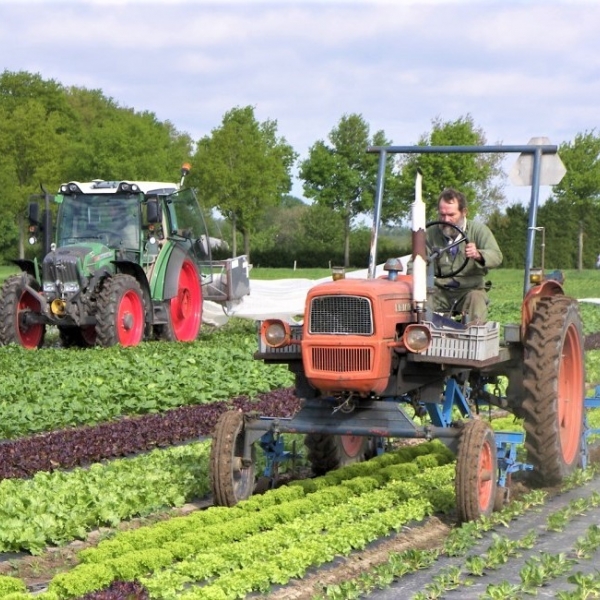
<point x="352" y="330"/>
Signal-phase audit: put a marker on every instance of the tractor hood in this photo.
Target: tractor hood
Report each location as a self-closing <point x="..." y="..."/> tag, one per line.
<point x="69" y="263"/>
<point x="350" y="327"/>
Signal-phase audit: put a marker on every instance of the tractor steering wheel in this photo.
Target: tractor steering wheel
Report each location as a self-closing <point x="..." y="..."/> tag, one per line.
<point x="109" y="237"/>
<point x="437" y="252"/>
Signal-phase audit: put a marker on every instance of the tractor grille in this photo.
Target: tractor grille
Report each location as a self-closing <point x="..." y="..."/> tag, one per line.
<point x="341" y="315"/>
<point x="60" y="268"/>
<point x="341" y="360"/>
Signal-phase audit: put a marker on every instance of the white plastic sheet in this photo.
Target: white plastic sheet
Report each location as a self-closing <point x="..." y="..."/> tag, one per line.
<point x="281" y="299"/>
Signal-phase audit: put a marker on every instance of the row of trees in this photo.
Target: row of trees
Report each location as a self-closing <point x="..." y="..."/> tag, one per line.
<point x="50" y="134"/>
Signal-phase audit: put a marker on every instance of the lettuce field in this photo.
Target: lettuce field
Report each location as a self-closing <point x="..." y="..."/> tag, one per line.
<point x="104" y="488"/>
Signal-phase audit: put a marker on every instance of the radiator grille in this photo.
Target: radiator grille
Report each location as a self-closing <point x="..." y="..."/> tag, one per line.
<point x="341" y="315"/>
<point x="341" y="360"/>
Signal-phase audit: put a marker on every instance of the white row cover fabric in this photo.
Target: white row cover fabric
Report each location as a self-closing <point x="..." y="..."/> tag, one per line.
<point x="279" y="299"/>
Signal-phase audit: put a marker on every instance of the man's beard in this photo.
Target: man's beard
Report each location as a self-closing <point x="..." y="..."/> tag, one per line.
<point x="450" y="232"/>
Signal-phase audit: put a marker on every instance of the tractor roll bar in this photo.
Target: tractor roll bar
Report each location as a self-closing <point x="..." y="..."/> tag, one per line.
<point x="537" y="150"/>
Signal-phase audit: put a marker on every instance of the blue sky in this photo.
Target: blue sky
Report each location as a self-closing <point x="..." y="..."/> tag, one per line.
<point x="519" y="68"/>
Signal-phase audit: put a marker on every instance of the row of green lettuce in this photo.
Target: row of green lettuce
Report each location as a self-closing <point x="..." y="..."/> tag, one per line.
<point x="278" y="535"/>
<point x="54" y="388"/>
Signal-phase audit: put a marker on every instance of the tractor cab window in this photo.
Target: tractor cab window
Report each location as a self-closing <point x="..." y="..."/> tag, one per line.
<point x="111" y="219"/>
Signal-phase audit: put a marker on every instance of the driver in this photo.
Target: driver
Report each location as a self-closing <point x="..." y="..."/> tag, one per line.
<point x="465" y="292"/>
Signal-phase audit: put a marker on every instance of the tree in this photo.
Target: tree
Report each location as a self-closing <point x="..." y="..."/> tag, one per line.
<point x="243" y="169"/>
<point x="342" y="176"/>
<point x="579" y="190"/>
<point x="34" y="132"/>
<point x="113" y="142"/>
<point x="479" y="176"/>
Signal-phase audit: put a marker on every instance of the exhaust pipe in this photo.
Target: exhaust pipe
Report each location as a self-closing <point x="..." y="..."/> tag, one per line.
<point x="419" y="246"/>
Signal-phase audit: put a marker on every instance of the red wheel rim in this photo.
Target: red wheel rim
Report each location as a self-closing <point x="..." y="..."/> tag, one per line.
<point x="186" y="307"/>
<point x="130" y="319"/>
<point x="570" y="397"/>
<point x="352" y="444"/>
<point x="30" y="335"/>
<point x="485" y="474"/>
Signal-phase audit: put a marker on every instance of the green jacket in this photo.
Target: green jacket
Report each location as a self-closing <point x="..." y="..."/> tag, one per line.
<point x="472" y="276"/>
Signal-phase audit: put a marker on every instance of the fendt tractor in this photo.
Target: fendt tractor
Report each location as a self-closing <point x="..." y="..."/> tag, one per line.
<point x="373" y="363"/>
<point x="131" y="260"/>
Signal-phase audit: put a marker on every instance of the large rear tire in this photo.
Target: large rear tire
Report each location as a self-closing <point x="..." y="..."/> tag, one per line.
<point x="476" y="471"/>
<point x="554" y="381"/>
<point x="327" y="452"/>
<point x="120" y="312"/>
<point x="185" y="309"/>
<point x="16" y="304"/>
<point x="231" y="479"/>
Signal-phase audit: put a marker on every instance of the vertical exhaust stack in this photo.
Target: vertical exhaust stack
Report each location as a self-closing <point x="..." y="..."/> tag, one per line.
<point x="419" y="246"/>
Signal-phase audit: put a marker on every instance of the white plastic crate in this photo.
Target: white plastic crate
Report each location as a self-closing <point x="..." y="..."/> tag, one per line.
<point x="478" y="342"/>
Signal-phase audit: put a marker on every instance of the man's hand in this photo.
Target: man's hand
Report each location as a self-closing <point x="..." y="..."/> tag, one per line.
<point x="472" y="252"/>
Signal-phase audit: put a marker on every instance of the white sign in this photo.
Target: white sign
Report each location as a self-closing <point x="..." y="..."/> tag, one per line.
<point x="552" y="169"/>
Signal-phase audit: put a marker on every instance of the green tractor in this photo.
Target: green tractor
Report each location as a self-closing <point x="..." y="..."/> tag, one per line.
<point x="131" y="260"/>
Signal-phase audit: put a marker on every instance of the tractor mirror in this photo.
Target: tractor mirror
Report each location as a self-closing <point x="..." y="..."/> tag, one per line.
<point x="33" y="213"/>
<point x="154" y="212"/>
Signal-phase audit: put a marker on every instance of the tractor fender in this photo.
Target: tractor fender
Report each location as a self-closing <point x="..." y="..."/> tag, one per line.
<point x="547" y="288"/>
<point x="29" y="266"/>
<point x="171" y="281"/>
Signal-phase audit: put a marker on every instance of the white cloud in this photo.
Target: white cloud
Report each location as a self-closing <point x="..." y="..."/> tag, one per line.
<point x="520" y="69"/>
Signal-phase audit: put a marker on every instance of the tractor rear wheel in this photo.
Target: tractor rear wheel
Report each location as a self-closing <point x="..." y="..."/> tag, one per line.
<point x="554" y="382"/>
<point x="185" y="309"/>
<point x="476" y="471"/>
<point x="16" y="304"/>
<point x="231" y="479"/>
<point x="77" y="337"/>
<point x="327" y="452"/>
<point x="120" y="312"/>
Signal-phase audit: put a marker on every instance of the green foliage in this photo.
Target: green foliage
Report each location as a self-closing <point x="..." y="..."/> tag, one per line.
<point x="473" y="174"/>
<point x="341" y="177"/>
<point x="243" y="170"/>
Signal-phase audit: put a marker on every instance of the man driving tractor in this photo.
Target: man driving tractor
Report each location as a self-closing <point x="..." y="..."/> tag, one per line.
<point x="465" y="292"/>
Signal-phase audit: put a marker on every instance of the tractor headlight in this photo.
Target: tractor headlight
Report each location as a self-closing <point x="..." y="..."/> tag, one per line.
<point x="275" y="333"/>
<point x="536" y="276"/>
<point x="70" y="287"/>
<point x="416" y="338"/>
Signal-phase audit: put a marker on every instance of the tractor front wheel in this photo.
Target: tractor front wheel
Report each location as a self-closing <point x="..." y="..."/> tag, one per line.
<point x="120" y="312"/>
<point x="476" y="471"/>
<point x="327" y="451"/>
<point x="554" y="382"/>
<point x="17" y="304"/>
<point x="231" y="477"/>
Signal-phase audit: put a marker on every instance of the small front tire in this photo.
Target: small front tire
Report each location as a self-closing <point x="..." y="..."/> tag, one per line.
<point x="476" y="471"/>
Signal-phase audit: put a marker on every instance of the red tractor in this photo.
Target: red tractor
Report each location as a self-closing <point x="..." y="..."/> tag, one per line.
<point x="370" y="356"/>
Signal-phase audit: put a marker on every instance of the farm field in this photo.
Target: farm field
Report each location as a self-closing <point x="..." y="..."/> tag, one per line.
<point x="105" y="480"/>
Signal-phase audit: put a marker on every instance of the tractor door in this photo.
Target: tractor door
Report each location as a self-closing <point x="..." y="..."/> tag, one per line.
<point x="187" y="226"/>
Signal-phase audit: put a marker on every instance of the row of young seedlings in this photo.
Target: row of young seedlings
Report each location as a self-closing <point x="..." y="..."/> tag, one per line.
<point x="227" y="553"/>
<point x="537" y="571"/>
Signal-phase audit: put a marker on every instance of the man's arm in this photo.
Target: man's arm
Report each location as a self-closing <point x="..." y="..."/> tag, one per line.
<point x="487" y="246"/>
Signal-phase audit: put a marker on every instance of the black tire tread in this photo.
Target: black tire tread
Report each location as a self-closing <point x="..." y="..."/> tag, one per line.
<point x="10" y="296"/>
<point x="226" y="433"/>
<point x="326" y="453"/>
<point x="543" y="350"/>
<point x="475" y="435"/>
<point x="110" y="294"/>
